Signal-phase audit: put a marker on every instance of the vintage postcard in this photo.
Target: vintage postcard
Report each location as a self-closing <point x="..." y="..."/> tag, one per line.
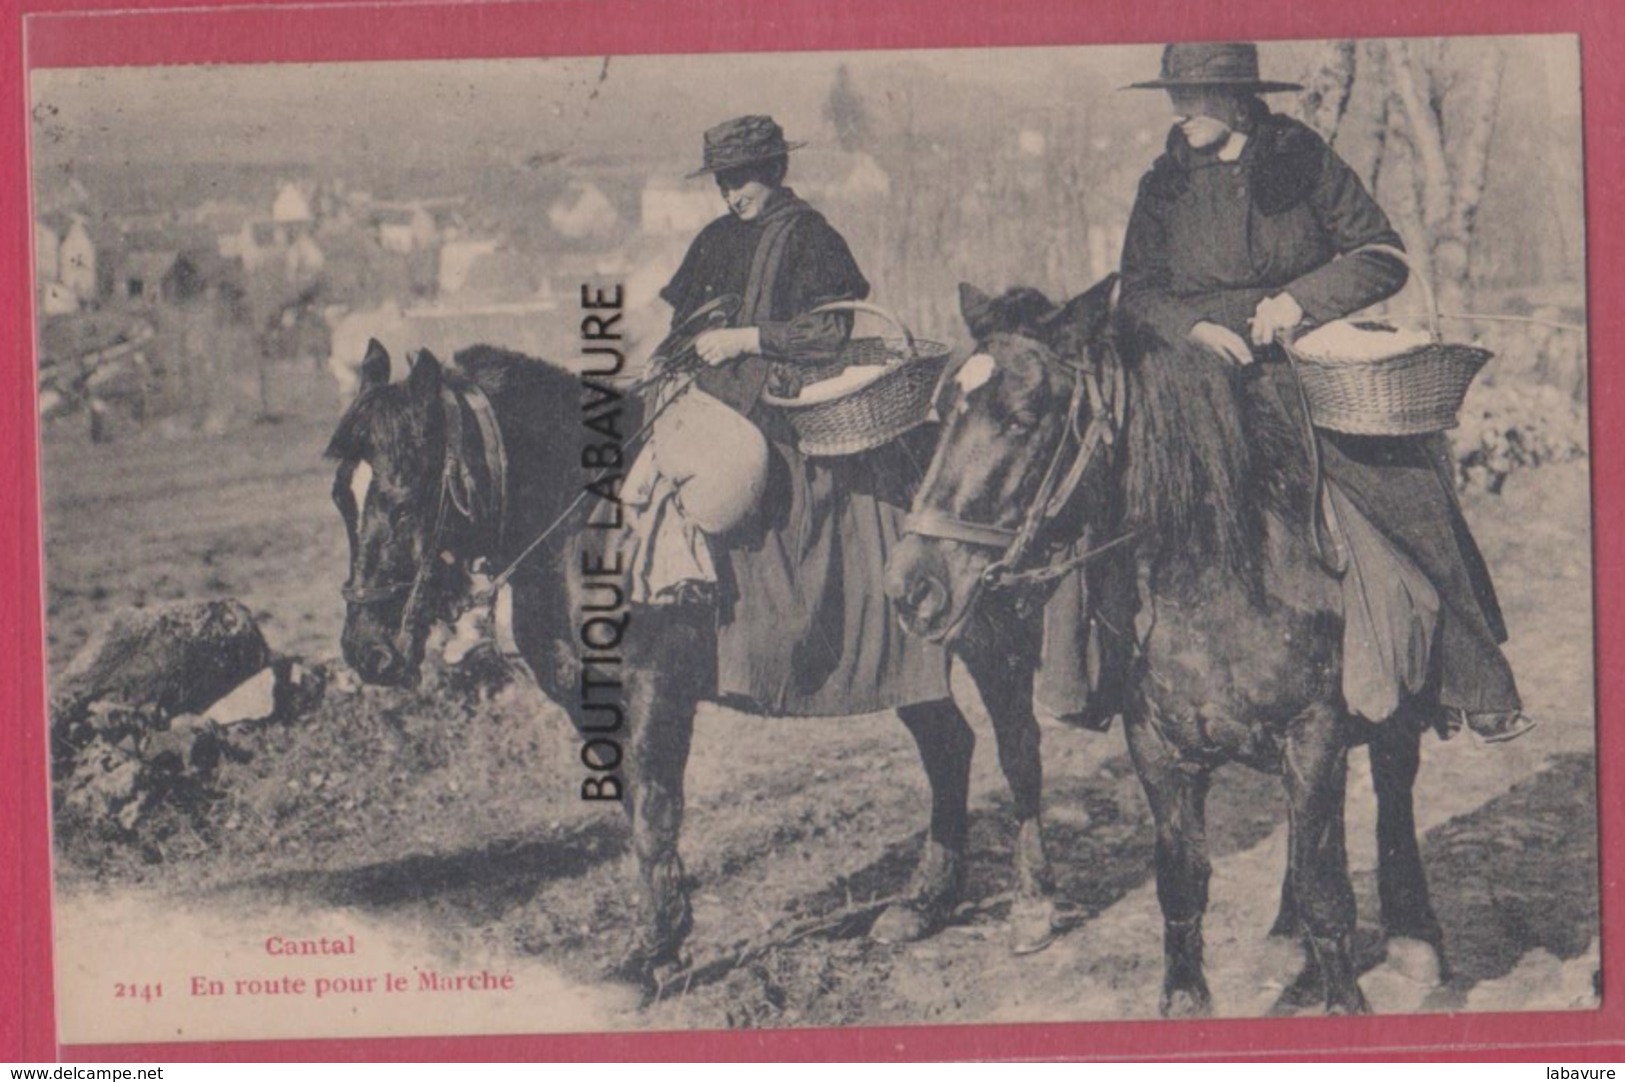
<point x="816" y="539"/>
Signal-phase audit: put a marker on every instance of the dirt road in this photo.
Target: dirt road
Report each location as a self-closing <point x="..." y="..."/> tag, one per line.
<point x="461" y="834"/>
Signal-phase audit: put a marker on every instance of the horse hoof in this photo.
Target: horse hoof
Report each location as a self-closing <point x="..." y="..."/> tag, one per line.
<point x="647" y="963"/>
<point x="1034" y="924"/>
<point x="938" y="882"/>
<point x="634" y="967"/>
<point x="1306" y="992"/>
<point x="1355" y="1006"/>
<point x="669" y="972"/>
<point x="906" y="922"/>
<point x="1416" y="960"/>
<point x="648" y="976"/>
<point x="1186" y="1003"/>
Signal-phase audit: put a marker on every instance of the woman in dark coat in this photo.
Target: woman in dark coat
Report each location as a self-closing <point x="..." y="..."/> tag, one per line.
<point x="1249" y="227"/>
<point x="804" y="625"/>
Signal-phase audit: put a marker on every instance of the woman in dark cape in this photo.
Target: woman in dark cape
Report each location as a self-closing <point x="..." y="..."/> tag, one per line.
<point x="1248" y="228"/>
<point x="804" y="625"/>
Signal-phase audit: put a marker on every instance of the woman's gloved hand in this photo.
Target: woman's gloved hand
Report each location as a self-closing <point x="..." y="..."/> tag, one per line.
<point x="1223" y="341"/>
<point x="723" y="344"/>
<point x="1274" y="316"/>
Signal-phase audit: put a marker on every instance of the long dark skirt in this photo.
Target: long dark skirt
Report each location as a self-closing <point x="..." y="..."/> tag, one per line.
<point x="804" y="626"/>
<point x="1405" y="486"/>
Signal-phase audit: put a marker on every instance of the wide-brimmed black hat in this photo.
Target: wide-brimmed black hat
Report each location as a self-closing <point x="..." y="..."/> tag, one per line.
<point x="744" y="140"/>
<point x="1231" y="64"/>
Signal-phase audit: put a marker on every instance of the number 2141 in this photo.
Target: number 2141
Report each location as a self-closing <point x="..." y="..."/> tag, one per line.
<point x="148" y="991"/>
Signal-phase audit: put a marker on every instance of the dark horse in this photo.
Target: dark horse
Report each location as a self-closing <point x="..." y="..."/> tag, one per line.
<point x="475" y="462"/>
<point x="1189" y="476"/>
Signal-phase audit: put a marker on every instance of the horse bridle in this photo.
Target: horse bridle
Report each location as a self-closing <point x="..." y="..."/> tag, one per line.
<point x="452" y="465"/>
<point x="662" y="364"/>
<point x="1055" y="491"/>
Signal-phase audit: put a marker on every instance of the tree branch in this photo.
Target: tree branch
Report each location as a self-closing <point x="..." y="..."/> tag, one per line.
<point x="1426" y="136"/>
<point x="1472" y="163"/>
<point x="1327" y="85"/>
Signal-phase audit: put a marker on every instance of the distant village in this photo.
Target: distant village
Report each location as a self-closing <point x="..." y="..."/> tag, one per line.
<point x="85" y="261"/>
<point x="212" y="312"/>
<point x="135" y="310"/>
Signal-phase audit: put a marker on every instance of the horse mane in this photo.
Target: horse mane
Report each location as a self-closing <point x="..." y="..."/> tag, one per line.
<point x="1208" y="454"/>
<point x="382" y="422"/>
<point x="499" y="372"/>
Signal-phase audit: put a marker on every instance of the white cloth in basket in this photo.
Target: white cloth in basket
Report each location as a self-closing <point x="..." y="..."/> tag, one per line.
<point x="853" y="377"/>
<point x="1342" y="340"/>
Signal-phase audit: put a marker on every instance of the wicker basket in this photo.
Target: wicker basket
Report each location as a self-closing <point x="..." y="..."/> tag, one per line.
<point x="1408" y="394"/>
<point x="883" y="391"/>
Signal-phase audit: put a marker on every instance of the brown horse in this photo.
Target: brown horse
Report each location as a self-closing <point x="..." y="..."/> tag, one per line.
<point x="474" y="462"/>
<point x="1188" y="477"/>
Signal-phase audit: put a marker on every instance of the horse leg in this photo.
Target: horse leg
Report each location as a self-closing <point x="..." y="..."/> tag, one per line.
<point x="1007" y="692"/>
<point x="1402" y="887"/>
<point x="661" y="701"/>
<point x="656" y="794"/>
<point x="946" y="742"/>
<point x="1407" y="910"/>
<point x="1315" y="772"/>
<point x="1178" y="799"/>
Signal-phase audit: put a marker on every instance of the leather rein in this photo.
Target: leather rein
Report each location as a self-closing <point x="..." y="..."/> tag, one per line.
<point x="1060" y="482"/>
<point x="456" y="491"/>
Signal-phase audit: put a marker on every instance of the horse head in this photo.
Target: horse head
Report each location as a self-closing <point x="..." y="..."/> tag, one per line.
<point x="1022" y="418"/>
<point x="401" y="508"/>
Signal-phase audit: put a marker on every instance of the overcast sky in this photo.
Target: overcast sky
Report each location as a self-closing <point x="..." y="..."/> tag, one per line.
<point x="456" y="115"/>
<point x="274" y="113"/>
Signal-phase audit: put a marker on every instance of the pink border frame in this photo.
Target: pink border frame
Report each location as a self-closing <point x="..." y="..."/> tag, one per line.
<point x="138" y="33"/>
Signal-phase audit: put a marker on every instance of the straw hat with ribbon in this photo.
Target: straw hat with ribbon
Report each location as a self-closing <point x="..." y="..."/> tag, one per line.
<point x="744" y="140"/>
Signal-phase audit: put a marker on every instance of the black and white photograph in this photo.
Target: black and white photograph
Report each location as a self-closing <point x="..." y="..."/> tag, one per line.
<point x="817" y="539"/>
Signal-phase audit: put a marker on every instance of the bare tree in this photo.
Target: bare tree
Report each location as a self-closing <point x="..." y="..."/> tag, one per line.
<point x="1362" y="137"/>
<point x="1327" y="86"/>
<point x="1449" y="158"/>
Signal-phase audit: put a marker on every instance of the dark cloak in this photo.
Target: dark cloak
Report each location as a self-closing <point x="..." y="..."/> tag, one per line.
<point x="804" y="625"/>
<point x="1209" y="239"/>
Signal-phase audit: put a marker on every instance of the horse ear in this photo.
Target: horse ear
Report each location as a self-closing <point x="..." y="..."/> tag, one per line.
<point x="972" y="302"/>
<point x="375" y="365"/>
<point x="426" y="375"/>
<point x="1101" y="292"/>
<point x="1089" y="310"/>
